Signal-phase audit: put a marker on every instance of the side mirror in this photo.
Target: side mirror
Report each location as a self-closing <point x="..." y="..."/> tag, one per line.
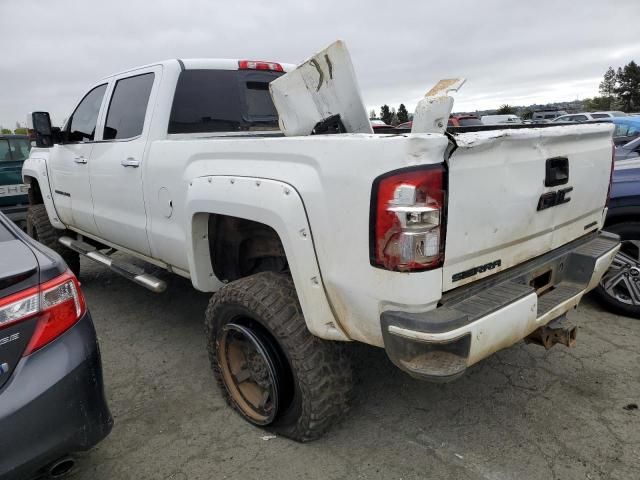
<point x="39" y="124"/>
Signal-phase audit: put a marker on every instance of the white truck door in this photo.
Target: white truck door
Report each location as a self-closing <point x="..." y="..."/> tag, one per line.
<point x="117" y="161"/>
<point x="68" y="163"/>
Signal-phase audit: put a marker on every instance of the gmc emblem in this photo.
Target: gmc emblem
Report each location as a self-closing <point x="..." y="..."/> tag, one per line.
<point x="551" y="199"/>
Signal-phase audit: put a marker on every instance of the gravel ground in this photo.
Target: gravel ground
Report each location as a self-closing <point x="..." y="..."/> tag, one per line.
<point x="522" y="414"/>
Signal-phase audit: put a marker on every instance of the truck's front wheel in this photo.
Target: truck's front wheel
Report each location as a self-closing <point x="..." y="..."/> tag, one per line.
<point x="39" y="228"/>
<point x="267" y="364"/>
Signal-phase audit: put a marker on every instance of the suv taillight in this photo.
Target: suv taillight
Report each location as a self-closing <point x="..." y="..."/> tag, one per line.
<point x="407" y="219"/>
<point x="58" y="304"/>
<point x="613" y="164"/>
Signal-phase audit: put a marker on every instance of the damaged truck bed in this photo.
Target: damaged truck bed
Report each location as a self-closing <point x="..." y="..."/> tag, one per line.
<point x="264" y="184"/>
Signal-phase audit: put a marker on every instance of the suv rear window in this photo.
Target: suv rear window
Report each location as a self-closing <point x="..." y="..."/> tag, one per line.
<point x="469" y="122"/>
<point x="223" y="101"/>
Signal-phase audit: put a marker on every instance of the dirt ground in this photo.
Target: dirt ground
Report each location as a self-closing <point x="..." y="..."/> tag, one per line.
<point x="523" y="414"/>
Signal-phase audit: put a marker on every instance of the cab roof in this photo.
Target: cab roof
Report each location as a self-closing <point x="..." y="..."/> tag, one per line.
<point x="200" y="64"/>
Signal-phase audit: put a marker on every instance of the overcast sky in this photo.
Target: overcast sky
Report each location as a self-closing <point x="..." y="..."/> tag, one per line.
<point x="512" y="52"/>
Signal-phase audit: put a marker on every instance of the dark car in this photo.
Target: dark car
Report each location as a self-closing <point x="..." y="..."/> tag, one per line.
<point x="619" y="288"/>
<point x="14" y="150"/>
<point x="52" y="400"/>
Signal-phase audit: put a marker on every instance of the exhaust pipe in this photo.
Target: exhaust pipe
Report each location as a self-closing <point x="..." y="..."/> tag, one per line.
<point x="61" y="467"/>
<point x="559" y="330"/>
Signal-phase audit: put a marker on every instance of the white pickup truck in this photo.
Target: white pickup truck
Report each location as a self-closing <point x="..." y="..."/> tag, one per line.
<point x="270" y="189"/>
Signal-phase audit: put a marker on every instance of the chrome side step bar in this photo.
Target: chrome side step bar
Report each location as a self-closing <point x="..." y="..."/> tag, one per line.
<point x="127" y="270"/>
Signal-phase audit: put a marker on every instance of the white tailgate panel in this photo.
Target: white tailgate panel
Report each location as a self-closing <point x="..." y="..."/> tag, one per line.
<point x="495" y="181"/>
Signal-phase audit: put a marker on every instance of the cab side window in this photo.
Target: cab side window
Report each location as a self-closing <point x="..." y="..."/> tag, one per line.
<point x="82" y="124"/>
<point x="128" y="107"/>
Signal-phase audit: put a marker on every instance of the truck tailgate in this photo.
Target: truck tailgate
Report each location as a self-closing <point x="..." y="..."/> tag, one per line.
<point x="496" y="181"/>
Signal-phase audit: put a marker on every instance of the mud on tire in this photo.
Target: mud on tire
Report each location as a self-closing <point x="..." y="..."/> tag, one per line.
<point x="313" y="375"/>
<point x="40" y="229"/>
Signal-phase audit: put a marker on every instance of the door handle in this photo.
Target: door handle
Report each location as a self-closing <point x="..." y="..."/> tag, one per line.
<point x="80" y="159"/>
<point x="130" y="162"/>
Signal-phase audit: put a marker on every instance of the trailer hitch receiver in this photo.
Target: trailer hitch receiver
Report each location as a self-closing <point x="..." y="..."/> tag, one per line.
<point x="559" y="330"/>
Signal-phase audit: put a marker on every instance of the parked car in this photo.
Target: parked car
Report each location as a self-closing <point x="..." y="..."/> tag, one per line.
<point x="14" y="150"/>
<point x="215" y="170"/>
<point x="630" y="150"/>
<point x="608" y="114"/>
<point x="501" y="119"/>
<point x="463" y="121"/>
<point x="619" y="288"/>
<point x="546" y="115"/>
<point x="573" y="117"/>
<point x="586" y="116"/>
<point x="454" y="121"/>
<point x="626" y="130"/>
<point x="52" y="399"/>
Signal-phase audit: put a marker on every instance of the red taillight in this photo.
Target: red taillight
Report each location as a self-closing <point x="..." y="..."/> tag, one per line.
<point x="613" y="163"/>
<point x="408" y="219"/>
<point x="259" y="65"/>
<point x="58" y="304"/>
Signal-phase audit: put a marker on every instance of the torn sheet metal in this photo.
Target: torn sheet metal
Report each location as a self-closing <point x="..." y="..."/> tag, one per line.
<point x="325" y="85"/>
<point x="432" y="112"/>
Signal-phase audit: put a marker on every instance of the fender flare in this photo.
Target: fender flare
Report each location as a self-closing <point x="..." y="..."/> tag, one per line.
<point x="36" y="167"/>
<point x="273" y="203"/>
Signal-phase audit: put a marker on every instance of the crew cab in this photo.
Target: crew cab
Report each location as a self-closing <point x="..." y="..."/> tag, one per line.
<point x="265" y="184"/>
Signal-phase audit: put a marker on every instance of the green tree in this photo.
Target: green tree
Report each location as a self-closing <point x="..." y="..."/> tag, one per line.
<point x="505" y="109"/>
<point x="607" y="89"/>
<point x="597" y="103"/>
<point x="403" y="114"/>
<point x="21" y="131"/>
<point x="526" y="114"/>
<point x="628" y="86"/>
<point x="5" y="131"/>
<point x="385" y="114"/>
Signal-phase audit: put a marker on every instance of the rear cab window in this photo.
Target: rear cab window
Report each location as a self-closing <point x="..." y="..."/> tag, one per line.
<point x="128" y="107"/>
<point x="223" y="101"/>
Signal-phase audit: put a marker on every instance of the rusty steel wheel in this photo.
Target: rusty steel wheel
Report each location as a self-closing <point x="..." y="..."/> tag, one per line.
<point x="249" y="366"/>
<point x="269" y="367"/>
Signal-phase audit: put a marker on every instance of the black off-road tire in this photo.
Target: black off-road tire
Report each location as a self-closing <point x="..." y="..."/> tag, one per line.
<point x="319" y="370"/>
<point x="628" y="231"/>
<point x="40" y="229"/>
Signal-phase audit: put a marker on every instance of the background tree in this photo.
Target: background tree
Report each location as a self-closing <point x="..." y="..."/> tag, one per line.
<point x="628" y="86"/>
<point x="21" y="131"/>
<point x="394" y="117"/>
<point x="372" y="114"/>
<point x="598" y="103"/>
<point x="505" y="109"/>
<point x="607" y="86"/>
<point x="526" y="114"/>
<point x="385" y="114"/>
<point x="5" y="131"/>
<point x="403" y="114"/>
